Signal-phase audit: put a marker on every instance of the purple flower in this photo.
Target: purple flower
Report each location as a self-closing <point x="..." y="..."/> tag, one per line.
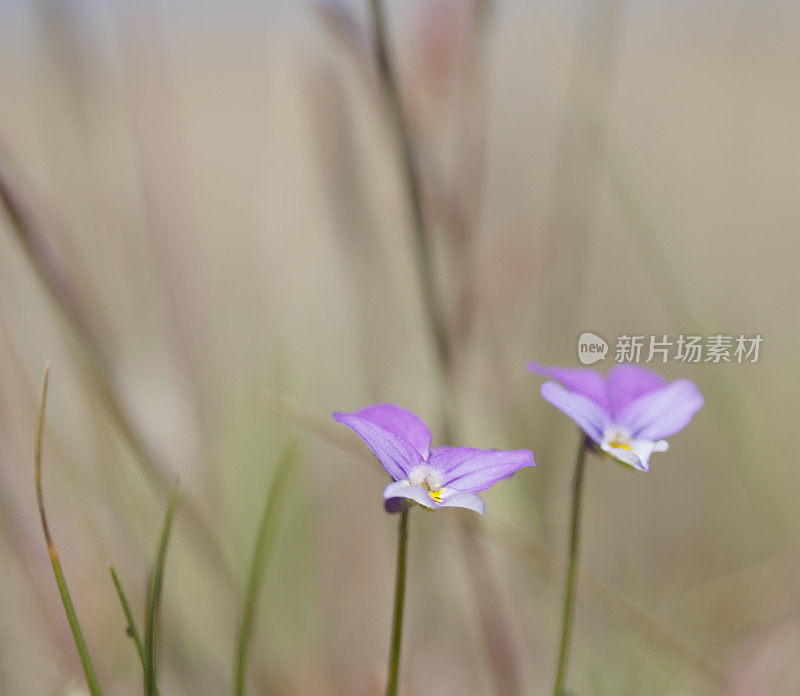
<point x="627" y="413"/>
<point x="434" y="478"/>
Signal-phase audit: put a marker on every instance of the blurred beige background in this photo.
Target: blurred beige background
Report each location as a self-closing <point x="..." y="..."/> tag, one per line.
<point x="220" y="182"/>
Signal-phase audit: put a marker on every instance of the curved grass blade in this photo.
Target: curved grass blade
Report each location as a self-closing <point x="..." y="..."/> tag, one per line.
<point x="290" y="457"/>
<point x="154" y="597"/>
<point x="130" y="626"/>
<point x="77" y="634"/>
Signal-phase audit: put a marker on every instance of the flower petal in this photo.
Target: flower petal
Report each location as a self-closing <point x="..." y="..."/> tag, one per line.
<point x="589" y="416"/>
<point x="638" y="456"/>
<point x="397" y="504"/>
<point x="403" y="489"/>
<point x="402" y="423"/>
<point x="473" y="470"/>
<point x="590" y="383"/>
<point x="469" y="501"/>
<point x="663" y="412"/>
<point x="626" y="456"/>
<point x="395" y="454"/>
<point x="395" y="493"/>
<point x="445" y="458"/>
<point x="626" y="383"/>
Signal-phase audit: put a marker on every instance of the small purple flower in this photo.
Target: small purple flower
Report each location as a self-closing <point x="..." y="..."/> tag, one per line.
<point x="627" y="413"/>
<point x="434" y="478"/>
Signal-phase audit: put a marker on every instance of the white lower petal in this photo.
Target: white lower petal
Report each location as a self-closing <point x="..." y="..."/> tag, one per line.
<point x="469" y="501"/>
<point x="445" y="497"/>
<point x="637" y="454"/>
<point x="404" y="489"/>
<point x="625" y="456"/>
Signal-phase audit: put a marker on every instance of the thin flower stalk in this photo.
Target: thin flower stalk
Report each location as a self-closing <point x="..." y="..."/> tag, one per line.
<point x="570" y="584"/>
<point x="399" y="604"/>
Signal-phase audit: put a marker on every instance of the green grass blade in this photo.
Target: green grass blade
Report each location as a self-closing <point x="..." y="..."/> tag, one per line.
<point x="131" y="627"/>
<point x="154" y="597"/>
<point x="290" y="456"/>
<point x="133" y="631"/>
<point x="72" y="617"/>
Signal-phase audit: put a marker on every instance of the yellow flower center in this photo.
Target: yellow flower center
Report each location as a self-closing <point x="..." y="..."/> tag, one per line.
<point x="619" y="444"/>
<point x="436" y="495"/>
<point x="618" y="438"/>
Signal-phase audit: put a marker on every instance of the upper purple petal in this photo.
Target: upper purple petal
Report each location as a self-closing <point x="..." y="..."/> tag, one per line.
<point x="626" y="383"/>
<point x="473" y="470"/>
<point x="589" y="416"/>
<point x="590" y="383"/>
<point x="663" y="412"/>
<point x="402" y="423"/>
<point x="445" y="458"/>
<point x="398" y="456"/>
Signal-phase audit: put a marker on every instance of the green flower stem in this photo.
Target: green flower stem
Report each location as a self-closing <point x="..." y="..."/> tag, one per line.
<point x="399" y="602"/>
<point x="572" y="571"/>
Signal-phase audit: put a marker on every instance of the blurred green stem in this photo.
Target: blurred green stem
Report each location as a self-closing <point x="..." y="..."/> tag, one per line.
<point x="572" y="571"/>
<point x="424" y="259"/>
<point x="399" y="602"/>
<point x="261" y="552"/>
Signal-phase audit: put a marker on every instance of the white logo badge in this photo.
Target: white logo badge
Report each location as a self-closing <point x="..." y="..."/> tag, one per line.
<point x="591" y="348"/>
